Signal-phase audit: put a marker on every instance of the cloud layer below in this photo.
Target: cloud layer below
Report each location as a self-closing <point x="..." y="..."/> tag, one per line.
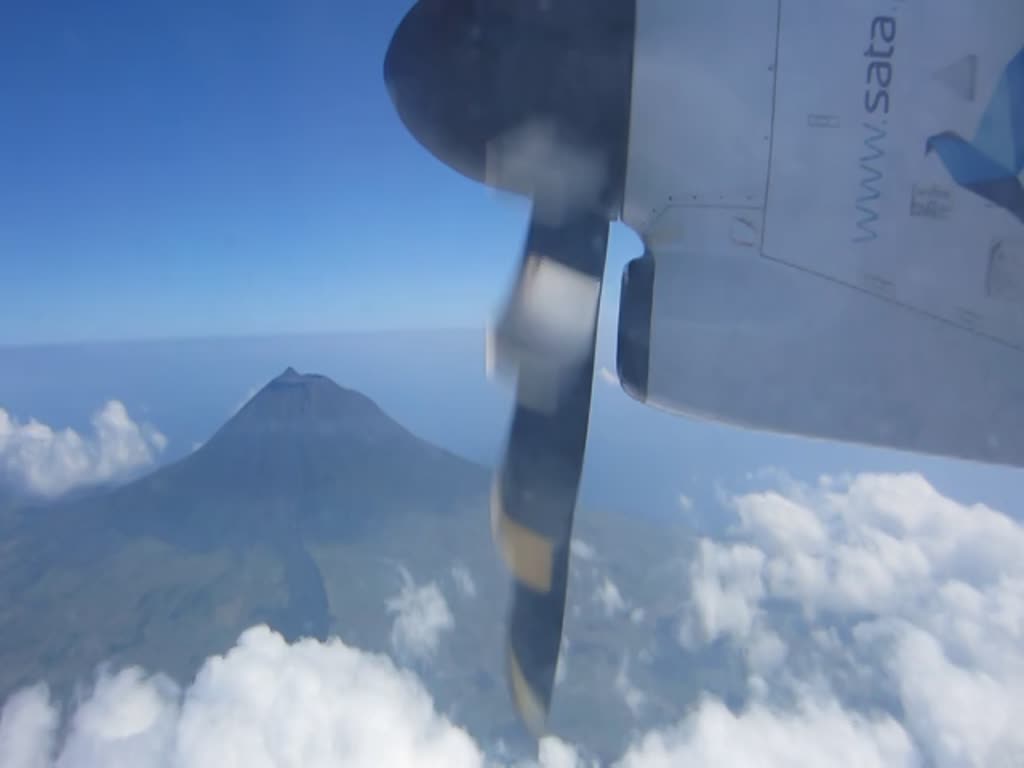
<point x="265" y="703"/>
<point x="880" y="623"/>
<point x="869" y="598"/>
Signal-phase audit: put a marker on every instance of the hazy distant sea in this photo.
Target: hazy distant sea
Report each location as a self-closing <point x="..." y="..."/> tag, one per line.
<point x="639" y="461"/>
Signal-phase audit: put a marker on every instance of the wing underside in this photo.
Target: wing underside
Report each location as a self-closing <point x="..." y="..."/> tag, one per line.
<point x="761" y="344"/>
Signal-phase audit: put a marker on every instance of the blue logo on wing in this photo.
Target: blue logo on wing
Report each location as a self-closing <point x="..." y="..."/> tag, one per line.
<point x="990" y="165"/>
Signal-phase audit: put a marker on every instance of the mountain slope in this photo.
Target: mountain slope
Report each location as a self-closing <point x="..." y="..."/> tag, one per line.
<point x="302" y="453"/>
<point x="170" y="568"/>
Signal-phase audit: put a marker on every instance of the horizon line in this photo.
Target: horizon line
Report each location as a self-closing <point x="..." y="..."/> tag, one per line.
<point x="6" y="346"/>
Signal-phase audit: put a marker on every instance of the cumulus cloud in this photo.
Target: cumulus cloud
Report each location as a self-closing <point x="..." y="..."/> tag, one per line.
<point x="27" y="727"/>
<point x="607" y="595"/>
<point x="812" y="735"/>
<point x="128" y="719"/>
<point x="581" y="550"/>
<point x="554" y="753"/>
<point x="421" y="617"/>
<point x="463" y="580"/>
<point x="726" y="586"/>
<point x="631" y="695"/>
<point x="264" y="703"/>
<point x="891" y="597"/>
<point x="47" y="462"/>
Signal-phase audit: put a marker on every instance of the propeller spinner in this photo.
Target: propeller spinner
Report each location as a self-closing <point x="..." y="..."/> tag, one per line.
<point x="532" y="97"/>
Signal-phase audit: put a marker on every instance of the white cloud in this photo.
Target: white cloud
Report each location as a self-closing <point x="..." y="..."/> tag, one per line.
<point x="607" y="595"/>
<point x="785" y="524"/>
<point x="685" y="503"/>
<point x="726" y="585"/>
<point x="421" y="617"/>
<point x="608" y="376"/>
<point x="554" y="753"/>
<point x="882" y="588"/>
<point x="268" y="703"/>
<point x="27" y="727"/>
<point x="581" y="550"/>
<point x="814" y="735"/>
<point x="971" y="716"/>
<point x="48" y="462"/>
<point x="128" y="719"/>
<point x="885" y="545"/>
<point x="635" y="698"/>
<point x="265" y="703"/>
<point x="463" y="580"/>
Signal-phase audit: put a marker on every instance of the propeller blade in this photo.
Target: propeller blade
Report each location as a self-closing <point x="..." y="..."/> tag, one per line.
<point x="534" y="494"/>
<point x="532" y="97"/>
<point x="546" y="328"/>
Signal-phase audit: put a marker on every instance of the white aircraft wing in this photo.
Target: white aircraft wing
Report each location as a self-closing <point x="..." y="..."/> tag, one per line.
<point x="829" y="251"/>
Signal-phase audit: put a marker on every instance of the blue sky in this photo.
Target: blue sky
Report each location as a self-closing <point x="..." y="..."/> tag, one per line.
<point x="193" y="169"/>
